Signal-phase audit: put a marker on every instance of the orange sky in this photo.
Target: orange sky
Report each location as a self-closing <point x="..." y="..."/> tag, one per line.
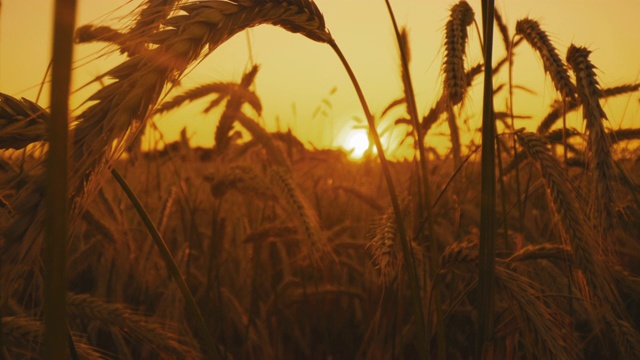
<point x="296" y="74"/>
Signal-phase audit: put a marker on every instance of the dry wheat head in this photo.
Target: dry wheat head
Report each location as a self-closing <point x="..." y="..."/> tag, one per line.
<point x="455" y="79"/>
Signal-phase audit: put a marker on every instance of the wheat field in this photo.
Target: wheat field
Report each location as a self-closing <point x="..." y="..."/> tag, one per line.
<point x="523" y="245"/>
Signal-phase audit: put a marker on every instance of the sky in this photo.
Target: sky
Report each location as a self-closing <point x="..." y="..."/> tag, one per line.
<point x="298" y="77"/>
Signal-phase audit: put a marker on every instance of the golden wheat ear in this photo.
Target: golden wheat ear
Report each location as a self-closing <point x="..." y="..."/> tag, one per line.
<point x="455" y="79"/>
<point x="593" y="274"/>
<point x="22" y="122"/>
<point x="598" y="143"/>
<point x="117" y="112"/>
<point x="530" y="30"/>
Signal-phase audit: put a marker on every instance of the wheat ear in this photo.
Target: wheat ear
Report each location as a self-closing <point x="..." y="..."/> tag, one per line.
<point x="225" y="125"/>
<point x="303" y="212"/>
<point x="455" y="79"/>
<point x="22" y="122"/>
<point x="602" y="165"/>
<point x="120" y="109"/>
<point x="24" y="335"/>
<point x="553" y="64"/>
<point x="599" y="293"/>
<point x="140" y="328"/>
<point x="559" y="107"/>
<point x="542" y="324"/>
<point x="383" y="247"/>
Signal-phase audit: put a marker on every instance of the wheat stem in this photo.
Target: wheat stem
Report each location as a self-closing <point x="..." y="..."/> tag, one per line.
<point x="55" y="249"/>
<point x="192" y="308"/>
<point x="402" y="233"/>
<point x="486" y="265"/>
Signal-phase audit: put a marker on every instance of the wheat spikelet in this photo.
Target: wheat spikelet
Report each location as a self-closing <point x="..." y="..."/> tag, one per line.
<point x="626" y="337"/>
<point x="141" y="328"/>
<point x="269" y="233"/>
<point x="224" y="90"/>
<point x="90" y="33"/>
<point x="385" y="247"/>
<point x="441" y="105"/>
<point x="543" y="325"/>
<point x="460" y="252"/>
<point x="302" y="211"/>
<point x="504" y="30"/>
<point x="560" y="107"/>
<point x="134" y="40"/>
<point x="245" y="179"/>
<point x="225" y="125"/>
<point x="556" y="252"/>
<point x="553" y="64"/>
<point x="601" y="295"/>
<point x="24" y="335"/>
<point x="22" y="122"/>
<point x="120" y="109"/>
<point x="598" y="144"/>
<point x="455" y="80"/>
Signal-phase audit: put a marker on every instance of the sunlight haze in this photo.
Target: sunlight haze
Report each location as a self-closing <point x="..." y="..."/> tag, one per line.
<point x="296" y="74"/>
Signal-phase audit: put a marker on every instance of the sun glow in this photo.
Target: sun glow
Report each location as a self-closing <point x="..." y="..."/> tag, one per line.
<point x="356" y="143"/>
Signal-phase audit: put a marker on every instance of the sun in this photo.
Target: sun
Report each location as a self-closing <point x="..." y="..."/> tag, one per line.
<point x="357" y="142"/>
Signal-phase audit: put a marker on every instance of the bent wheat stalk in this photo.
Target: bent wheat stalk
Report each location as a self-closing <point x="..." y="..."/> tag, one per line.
<point x="120" y="109"/>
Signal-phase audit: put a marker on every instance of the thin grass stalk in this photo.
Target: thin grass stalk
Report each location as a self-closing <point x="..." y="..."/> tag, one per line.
<point x="207" y="341"/>
<point x="486" y="264"/>
<point x="55" y="260"/>
<point x="503" y="192"/>
<point x="514" y="140"/>
<point x="423" y="179"/>
<point x="414" y="284"/>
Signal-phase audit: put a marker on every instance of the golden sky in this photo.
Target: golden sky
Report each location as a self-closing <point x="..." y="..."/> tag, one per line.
<point x="297" y="74"/>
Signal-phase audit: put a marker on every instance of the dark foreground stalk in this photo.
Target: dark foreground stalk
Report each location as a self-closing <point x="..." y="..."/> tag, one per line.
<point x="57" y="202"/>
<point x="486" y="286"/>
<point x="207" y="341"/>
<point x="406" y="249"/>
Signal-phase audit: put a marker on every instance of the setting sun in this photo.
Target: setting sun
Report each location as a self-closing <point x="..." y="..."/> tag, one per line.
<point x="357" y="143"/>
